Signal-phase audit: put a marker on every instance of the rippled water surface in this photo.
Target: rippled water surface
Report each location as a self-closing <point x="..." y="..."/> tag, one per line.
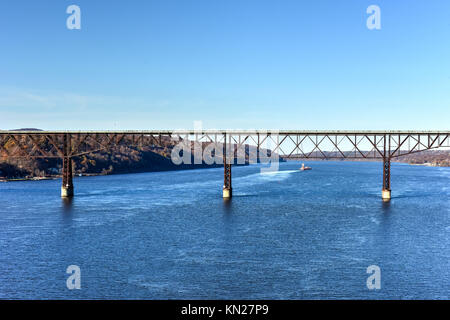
<point x="284" y="235"/>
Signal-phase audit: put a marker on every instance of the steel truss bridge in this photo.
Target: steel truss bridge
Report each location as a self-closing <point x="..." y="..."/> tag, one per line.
<point x="381" y="145"/>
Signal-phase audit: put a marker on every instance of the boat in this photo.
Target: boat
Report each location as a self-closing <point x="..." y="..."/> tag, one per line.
<point x="303" y="168"/>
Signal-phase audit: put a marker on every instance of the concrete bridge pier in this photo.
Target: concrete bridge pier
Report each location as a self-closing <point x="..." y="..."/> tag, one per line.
<point x="386" y="191"/>
<point x="66" y="192"/>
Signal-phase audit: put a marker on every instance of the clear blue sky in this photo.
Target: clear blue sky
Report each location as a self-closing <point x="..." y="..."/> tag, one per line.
<point x="229" y="63"/>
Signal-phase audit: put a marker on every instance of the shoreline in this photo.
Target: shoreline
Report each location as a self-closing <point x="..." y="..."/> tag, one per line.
<point x="119" y="173"/>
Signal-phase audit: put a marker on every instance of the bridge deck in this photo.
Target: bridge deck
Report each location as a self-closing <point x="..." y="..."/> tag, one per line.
<point x="233" y="131"/>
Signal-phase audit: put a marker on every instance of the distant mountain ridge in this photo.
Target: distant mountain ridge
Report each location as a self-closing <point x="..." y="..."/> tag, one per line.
<point x="438" y="158"/>
<point x="26" y="129"/>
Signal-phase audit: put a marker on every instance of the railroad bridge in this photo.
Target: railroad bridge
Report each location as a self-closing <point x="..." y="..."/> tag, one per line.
<point x="378" y="145"/>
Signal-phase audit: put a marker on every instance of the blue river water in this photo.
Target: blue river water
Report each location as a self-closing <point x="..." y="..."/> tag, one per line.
<point x="284" y="235"/>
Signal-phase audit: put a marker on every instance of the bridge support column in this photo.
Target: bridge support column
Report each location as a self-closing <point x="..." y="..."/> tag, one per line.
<point x="67" y="177"/>
<point x="67" y="182"/>
<point x="386" y="191"/>
<point x="227" y="190"/>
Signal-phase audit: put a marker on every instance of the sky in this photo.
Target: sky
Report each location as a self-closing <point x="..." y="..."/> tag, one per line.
<point x="231" y="64"/>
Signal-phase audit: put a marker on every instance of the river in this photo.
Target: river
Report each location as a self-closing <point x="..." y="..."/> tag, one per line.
<point x="284" y="235"/>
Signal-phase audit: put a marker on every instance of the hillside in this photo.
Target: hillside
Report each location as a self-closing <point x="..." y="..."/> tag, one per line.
<point x="437" y="158"/>
<point x="120" y="159"/>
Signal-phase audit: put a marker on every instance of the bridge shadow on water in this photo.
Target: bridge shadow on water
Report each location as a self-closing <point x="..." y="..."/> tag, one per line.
<point x="227" y="206"/>
<point x="386" y="206"/>
<point x="67" y="205"/>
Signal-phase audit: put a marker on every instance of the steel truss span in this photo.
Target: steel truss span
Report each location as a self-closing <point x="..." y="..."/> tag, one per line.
<point x="287" y="144"/>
